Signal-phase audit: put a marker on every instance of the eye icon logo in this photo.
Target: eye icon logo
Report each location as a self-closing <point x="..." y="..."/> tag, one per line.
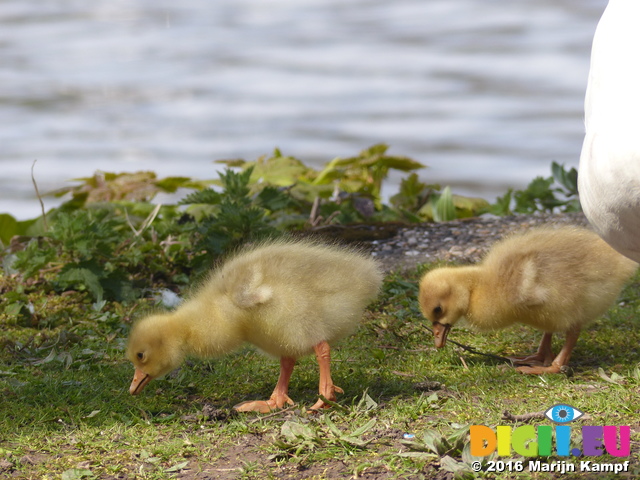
<point x="562" y="413"/>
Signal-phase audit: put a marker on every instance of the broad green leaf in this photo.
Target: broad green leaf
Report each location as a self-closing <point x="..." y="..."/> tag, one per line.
<point x="279" y="171"/>
<point x="177" y="467"/>
<point x="172" y="184"/>
<point x="458" y="438"/>
<point x="367" y="403"/>
<point x="77" y="474"/>
<point x="352" y="440"/>
<point x="273" y="199"/>
<point x="468" y="206"/>
<point x="567" y="178"/>
<point x="444" y="210"/>
<point x="8" y="228"/>
<point x="404" y="164"/>
<point x="459" y="469"/>
<point x="614" y="378"/>
<point x="86" y="277"/>
<point x="295" y="431"/>
<point x="13" y="309"/>
<point x="434" y="442"/>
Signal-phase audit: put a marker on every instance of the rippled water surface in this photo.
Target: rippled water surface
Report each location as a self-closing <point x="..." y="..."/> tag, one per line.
<point x="486" y="92"/>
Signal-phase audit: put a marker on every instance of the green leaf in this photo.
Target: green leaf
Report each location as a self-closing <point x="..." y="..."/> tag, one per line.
<point x="457" y="438"/>
<point x="367" y="403"/>
<point x="374" y="150"/>
<point x="280" y="171"/>
<point x="207" y="196"/>
<point x="459" y="469"/>
<point x="468" y="206"/>
<point x="236" y="184"/>
<point x="365" y="428"/>
<point x="49" y="358"/>
<point x="77" y="474"/>
<point x="85" y="277"/>
<point x="614" y="378"/>
<point x="171" y="184"/>
<point x="413" y="193"/>
<point x="355" y="441"/>
<point x="435" y="442"/>
<point x="332" y="426"/>
<point x="294" y="432"/>
<point x="444" y="210"/>
<point x="234" y="162"/>
<point x="273" y="199"/>
<point x="418" y="455"/>
<point x="8" y="228"/>
<point x="568" y="179"/>
<point x="502" y="206"/>
<point x="177" y="467"/>
<point x="404" y="164"/>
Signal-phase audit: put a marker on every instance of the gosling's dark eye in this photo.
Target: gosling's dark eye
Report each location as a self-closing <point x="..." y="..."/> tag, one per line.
<point x="437" y="311"/>
<point x="140" y="355"/>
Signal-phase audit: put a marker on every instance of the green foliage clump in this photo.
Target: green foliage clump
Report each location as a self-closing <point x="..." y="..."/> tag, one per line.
<point x="93" y="250"/>
<point x="109" y="241"/>
<point x="557" y="192"/>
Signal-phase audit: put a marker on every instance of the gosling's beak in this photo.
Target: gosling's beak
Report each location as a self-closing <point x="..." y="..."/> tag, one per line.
<point x="140" y="380"/>
<point x="440" y="333"/>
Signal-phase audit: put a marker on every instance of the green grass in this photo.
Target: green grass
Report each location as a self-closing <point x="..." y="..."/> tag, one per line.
<point x="66" y="411"/>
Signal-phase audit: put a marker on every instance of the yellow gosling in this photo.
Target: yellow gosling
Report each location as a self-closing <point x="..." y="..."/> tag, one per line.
<point x="288" y="298"/>
<point x="554" y="279"/>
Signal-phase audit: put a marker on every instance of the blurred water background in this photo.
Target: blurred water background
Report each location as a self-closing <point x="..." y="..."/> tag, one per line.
<point x="485" y="92"/>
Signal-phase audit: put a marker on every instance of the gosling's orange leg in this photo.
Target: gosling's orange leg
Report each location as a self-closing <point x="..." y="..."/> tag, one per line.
<point x="326" y="388"/>
<point x="561" y="360"/>
<point x="544" y="355"/>
<point x="279" y="397"/>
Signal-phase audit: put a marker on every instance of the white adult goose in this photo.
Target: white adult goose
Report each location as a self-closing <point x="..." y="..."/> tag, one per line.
<point x="609" y="176"/>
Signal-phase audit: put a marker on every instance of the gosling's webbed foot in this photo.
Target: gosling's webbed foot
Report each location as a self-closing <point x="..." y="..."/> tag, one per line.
<point x="264" y="406"/>
<point x="539" y="370"/>
<point x="330" y="394"/>
<point x="534" y="359"/>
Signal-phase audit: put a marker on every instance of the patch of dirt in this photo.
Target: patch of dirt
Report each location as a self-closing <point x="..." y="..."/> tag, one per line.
<point x="249" y="450"/>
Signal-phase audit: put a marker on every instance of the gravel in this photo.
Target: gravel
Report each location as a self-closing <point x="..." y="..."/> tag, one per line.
<point x="463" y="241"/>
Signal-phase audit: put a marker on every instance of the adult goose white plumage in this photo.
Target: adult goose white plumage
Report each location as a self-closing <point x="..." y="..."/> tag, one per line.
<point x="609" y="175"/>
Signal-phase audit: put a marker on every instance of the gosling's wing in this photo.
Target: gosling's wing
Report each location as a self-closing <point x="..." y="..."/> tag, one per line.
<point x="530" y="291"/>
<point x="250" y="289"/>
<point x="518" y="277"/>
